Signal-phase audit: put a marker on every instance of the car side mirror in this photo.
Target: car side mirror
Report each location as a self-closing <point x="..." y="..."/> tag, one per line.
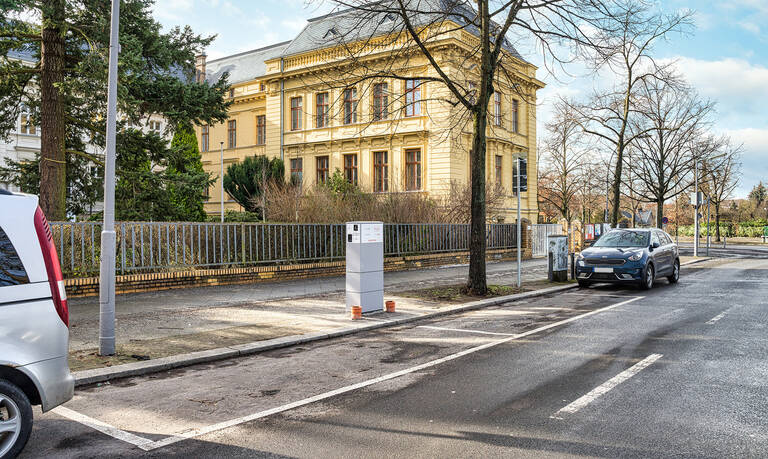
<point x="655" y="245"/>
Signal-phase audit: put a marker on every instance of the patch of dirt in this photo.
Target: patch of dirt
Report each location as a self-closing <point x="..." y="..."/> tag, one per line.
<point x="455" y="294"/>
<point x="139" y="350"/>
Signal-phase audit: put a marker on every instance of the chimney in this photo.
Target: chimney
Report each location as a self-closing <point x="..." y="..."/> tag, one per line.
<point x="200" y="67"/>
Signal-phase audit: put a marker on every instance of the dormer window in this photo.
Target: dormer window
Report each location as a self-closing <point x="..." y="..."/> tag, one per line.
<point x="389" y="17"/>
<point x="332" y="33"/>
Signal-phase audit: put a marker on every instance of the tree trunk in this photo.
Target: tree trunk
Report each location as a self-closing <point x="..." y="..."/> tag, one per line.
<point x="659" y="212"/>
<point x="53" y="168"/>
<point x="717" y="222"/>
<point x="476" y="284"/>
<point x="616" y="187"/>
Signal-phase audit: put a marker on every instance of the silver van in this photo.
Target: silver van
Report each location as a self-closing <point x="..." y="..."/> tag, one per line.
<point x="34" y="321"/>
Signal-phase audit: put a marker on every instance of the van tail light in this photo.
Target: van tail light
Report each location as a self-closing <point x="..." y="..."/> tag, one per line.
<point x="52" y="266"/>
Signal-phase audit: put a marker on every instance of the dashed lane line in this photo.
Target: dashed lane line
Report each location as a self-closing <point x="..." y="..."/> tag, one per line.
<point x="148" y="445"/>
<point x="604" y="388"/>
<point x="713" y="320"/>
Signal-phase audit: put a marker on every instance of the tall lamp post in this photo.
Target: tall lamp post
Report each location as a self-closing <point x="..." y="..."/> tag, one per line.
<point x="221" y="178"/>
<point x="519" y="228"/>
<point x="107" y="264"/>
<point x="696" y="204"/>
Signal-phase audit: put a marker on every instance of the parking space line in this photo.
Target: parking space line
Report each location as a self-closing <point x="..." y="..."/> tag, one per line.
<point x="262" y="414"/>
<point x="461" y="330"/>
<point x="604" y="388"/>
<point x="612" y="295"/>
<point x="102" y="427"/>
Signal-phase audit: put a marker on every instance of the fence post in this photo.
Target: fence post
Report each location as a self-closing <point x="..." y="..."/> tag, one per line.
<point x="122" y="248"/>
<point x="242" y="243"/>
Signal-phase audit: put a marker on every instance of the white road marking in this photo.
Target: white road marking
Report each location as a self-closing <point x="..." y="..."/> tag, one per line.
<point x="600" y="390"/>
<point x="613" y="295"/>
<point x="461" y="330"/>
<point x="102" y="427"/>
<point x="152" y="445"/>
<point x="717" y="317"/>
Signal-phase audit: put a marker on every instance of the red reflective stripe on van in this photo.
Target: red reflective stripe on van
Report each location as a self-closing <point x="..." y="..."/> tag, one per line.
<point x="52" y="266"/>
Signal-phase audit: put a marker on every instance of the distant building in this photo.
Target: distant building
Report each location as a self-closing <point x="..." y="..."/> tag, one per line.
<point x="24" y="141"/>
<point x="280" y="109"/>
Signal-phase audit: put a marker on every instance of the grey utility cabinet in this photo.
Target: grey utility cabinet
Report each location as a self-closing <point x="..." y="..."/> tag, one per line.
<point x="365" y="265"/>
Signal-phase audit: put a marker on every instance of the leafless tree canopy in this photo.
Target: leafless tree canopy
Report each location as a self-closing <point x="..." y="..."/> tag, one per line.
<point x="565" y="158"/>
<point x="614" y="115"/>
<point x="673" y="117"/>
<point x="720" y="175"/>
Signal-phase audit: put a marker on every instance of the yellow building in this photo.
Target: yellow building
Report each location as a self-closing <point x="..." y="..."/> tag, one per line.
<point x="300" y="100"/>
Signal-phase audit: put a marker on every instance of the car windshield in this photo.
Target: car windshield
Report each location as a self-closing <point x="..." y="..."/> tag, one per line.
<point x="624" y="238"/>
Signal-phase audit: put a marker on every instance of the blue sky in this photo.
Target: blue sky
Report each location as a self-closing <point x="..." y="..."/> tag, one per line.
<point x="725" y="57"/>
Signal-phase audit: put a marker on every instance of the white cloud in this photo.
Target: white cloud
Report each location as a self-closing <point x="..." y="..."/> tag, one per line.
<point x="737" y="85"/>
<point x="750" y="27"/>
<point x="173" y="10"/>
<point x="754" y="158"/>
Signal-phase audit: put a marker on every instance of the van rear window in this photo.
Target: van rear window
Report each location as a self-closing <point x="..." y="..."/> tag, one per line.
<point x="12" y="271"/>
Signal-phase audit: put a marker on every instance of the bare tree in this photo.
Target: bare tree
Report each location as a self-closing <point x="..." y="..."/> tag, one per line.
<point x="721" y="178"/>
<point x="673" y="117"/>
<point x="469" y="57"/>
<point x="589" y="192"/>
<point x="610" y="113"/>
<point x="562" y="161"/>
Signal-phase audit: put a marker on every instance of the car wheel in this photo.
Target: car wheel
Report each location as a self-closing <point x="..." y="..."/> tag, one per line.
<point x="675" y="273"/>
<point x="647" y="282"/>
<point x="15" y="420"/>
<point x="583" y="284"/>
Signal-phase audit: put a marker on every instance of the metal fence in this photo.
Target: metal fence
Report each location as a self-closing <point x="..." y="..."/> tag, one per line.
<point x="539" y="235"/>
<point x="149" y="246"/>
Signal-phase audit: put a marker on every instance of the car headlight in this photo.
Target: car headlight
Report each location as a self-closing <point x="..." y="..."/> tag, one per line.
<point x="636" y="256"/>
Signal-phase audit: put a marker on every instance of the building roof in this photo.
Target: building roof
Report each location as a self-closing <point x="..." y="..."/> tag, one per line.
<point x="244" y="66"/>
<point x="350" y="24"/>
<point x="335" y="28"/>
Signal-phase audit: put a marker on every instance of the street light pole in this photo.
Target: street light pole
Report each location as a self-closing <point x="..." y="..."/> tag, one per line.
<point x="708" y="230"/>
<point x="519" y="228"/>
<point x="696" y="208"/>
<point x="221" y="179"/>
<point x="107" y="264"/>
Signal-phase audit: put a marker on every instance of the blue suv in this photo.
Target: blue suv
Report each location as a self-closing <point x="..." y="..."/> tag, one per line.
<point x="637" y="256"/>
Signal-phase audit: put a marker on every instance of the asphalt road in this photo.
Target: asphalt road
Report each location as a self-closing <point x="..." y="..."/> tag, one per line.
<point x="679" y="371"/>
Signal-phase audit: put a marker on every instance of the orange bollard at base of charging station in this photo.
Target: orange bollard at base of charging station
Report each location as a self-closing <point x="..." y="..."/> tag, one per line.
<point x="390" y="306"/>
<point x="357" y="313"/>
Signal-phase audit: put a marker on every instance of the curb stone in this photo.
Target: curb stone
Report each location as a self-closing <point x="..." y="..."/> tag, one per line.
<point x="100" y="375"/>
